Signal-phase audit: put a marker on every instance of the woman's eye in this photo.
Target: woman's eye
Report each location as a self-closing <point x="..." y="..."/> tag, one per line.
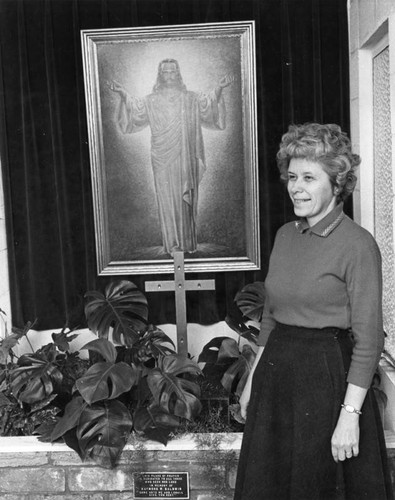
<point x="308" y="178"/>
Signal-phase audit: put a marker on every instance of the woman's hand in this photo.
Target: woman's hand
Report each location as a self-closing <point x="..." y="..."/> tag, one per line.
<point x="345" y="438"/>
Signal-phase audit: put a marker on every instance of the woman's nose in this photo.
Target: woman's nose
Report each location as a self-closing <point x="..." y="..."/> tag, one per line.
<point x="296" y="186"/>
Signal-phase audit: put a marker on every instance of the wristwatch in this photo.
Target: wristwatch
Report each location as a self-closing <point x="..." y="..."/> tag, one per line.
<point x="351" y="409"/>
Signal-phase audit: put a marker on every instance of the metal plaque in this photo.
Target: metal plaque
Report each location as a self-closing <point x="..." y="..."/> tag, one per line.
<point x="157" y="485"/>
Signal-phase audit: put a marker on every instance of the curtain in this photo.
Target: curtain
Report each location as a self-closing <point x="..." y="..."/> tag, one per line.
<point x="302" y="75"/>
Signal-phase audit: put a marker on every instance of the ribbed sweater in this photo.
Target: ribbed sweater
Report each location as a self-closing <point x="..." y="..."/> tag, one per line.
<point x="328" y="275"/>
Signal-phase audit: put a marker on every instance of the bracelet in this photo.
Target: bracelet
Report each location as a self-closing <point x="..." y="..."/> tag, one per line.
<point x="351" y="409"/>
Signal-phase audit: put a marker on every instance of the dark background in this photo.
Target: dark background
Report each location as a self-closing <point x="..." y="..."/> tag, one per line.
<point x="302" y="75"/>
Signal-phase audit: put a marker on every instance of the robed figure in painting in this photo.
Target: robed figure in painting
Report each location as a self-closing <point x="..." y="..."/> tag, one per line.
<point x="175" y="116"/>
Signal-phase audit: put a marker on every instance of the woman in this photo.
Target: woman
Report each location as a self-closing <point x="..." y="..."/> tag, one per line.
<point x="313" y="430"/>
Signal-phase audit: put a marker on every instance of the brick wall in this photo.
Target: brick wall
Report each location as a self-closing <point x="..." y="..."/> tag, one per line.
<point x="55" y="472"/>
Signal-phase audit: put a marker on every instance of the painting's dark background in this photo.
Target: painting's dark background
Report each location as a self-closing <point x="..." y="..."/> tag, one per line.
<point x="302" y="75"/>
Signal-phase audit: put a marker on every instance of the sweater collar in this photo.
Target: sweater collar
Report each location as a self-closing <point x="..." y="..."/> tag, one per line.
<point x="326" y="225"/>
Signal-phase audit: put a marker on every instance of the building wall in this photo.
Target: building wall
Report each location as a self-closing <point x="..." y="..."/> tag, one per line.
<point x="372" y="101"/>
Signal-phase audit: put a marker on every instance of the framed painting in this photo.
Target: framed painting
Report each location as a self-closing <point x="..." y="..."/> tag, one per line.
<point x="173" y="147"/>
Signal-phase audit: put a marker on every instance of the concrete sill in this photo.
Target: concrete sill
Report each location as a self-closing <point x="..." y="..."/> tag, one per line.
<point x="30" y="444"/>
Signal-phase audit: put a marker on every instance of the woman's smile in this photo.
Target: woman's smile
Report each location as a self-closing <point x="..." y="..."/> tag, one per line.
<point x="297" y="200"/>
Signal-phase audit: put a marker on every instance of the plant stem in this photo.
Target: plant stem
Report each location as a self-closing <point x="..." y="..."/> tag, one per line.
<point x="28" y="341"/>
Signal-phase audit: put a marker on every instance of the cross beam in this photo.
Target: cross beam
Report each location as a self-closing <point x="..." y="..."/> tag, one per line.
<point x="180" y="286"/>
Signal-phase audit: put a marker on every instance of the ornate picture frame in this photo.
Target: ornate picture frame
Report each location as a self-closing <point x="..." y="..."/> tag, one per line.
<point x="173" y="147"/>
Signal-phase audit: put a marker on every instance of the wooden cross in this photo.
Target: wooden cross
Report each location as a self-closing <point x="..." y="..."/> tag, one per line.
<point x="180" y="286"/>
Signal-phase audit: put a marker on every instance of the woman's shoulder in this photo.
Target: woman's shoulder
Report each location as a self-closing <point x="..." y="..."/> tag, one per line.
<point x="357" y="234"/>
<point x="285" y="234"/>
<point x="287" y="229"/>
<point x="356" y="229"/>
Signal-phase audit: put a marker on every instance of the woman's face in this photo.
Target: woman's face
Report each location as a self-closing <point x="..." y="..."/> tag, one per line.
<point x="310" y="190"/>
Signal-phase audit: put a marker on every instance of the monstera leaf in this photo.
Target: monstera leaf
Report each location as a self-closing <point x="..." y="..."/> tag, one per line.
<point x="62" y="339"/>
<point x="229" y="349"/>
<point x="156" y="340"/>
<point x="251" y="300"/>
<point x="104" y="347"/>
<point x="152" y="344"/>
<point x="70" y="418"/>
<point x="155" y="423"/>
<point x="172" y="393"/>
<point x="106" y="381"/>
<point x="248" y="332"/>
<point x="102" y="432"/>
<point x="122" y="308"/>
<point x="35" y="380"/>
<point x="239" y="370"/>
<point x="210" y="351"/>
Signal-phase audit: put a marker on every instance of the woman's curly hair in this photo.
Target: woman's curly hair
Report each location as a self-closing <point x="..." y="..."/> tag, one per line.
<point x="325" y="144"/>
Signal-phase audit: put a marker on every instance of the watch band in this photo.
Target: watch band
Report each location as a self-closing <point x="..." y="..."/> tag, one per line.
<point x="351" y="409"/>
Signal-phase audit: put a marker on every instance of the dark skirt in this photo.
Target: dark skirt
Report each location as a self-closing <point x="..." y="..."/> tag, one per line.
<point x="297" y="389"/>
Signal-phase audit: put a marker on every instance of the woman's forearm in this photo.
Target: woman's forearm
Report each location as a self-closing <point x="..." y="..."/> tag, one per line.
<point x="355" y="396"/>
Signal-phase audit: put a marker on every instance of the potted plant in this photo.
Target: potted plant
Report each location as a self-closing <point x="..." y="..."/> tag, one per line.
<point x="134" y="381"/>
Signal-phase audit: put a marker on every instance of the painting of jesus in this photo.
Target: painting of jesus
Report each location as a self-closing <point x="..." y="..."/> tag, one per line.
<point x="173" y="158"/>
